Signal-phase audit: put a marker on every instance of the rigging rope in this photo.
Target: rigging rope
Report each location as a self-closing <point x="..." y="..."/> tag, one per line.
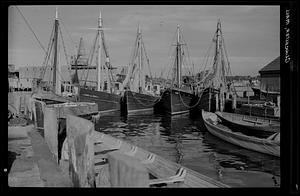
<point x="66" y="55"/>
<point x="187" y="49"/>
<point x="31" y="29"/>
<point x="206" y="56"/>
<point x="110" y="76"/>
<point x="229" y="67"/>
<point x="90" y="59"/>
<point x="147" y="59"/>
<point x="48" y="53"/>
<point x="170" y="57"/>
<point x="40" y="44"/>
<point x="69" y="35"/>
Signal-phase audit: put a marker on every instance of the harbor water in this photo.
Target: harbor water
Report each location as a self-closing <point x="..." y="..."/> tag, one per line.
<point x="185" y="140"/>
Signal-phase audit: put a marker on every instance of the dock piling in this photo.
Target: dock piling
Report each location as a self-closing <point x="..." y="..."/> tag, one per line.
<point x="233" y="102"/>
<point x="51" y="130"/>
<point x="81" y="151"/>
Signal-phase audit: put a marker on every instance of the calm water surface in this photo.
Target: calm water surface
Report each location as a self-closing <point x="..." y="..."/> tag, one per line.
<point x="185" y="140"/>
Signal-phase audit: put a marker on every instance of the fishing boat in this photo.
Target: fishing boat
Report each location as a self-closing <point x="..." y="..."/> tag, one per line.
<point x="261" y="110"/>
<point x="104" y="94"/>
<point x="161" y="171"/>
<point x="136" y="98"/>
<point x="177" y="98"/>
<point x="270" y="145"/>
<point x="47" y="88"/>
<point x="250" y="125"/>
<point x="213" y="85"/>
<point x="265" y="93"/>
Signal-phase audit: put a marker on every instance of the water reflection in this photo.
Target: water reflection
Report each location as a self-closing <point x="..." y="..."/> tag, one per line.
<point x="185" y="140"/>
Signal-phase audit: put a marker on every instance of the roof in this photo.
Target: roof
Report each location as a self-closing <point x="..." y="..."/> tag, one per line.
<point x="272" y="66"/>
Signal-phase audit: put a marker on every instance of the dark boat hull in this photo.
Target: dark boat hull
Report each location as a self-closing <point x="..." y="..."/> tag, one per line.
<point x="204" y="102"/>
<point x="259" y="110"/>
<point x="252" y="129"/>
<point x="137" y="103"/>
<point x="106" y="101"/>
<point x="174" y="101"/>
<point x="264" y="94"/>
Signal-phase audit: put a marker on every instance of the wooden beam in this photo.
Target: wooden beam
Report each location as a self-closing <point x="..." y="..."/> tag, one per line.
<point x="126" y="171"/>
<point x="81" y="151"/>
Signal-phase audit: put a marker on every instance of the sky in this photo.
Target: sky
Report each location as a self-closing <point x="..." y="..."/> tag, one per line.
<point x="251" y="33"/>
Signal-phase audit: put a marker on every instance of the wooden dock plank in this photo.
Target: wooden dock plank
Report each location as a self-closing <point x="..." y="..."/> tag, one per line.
<point x="160" y="168"/>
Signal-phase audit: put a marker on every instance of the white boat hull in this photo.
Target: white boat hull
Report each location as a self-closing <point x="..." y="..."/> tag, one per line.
<point x="252" y="143"/>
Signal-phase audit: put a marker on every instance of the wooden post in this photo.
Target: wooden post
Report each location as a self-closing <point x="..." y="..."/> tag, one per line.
<point x="125" y="171"/>
<point x="39" y="107"/>
<point x="50" y="130"/>
<point x="227" y="95"/>
<point x="33" y="111"/>
<point x="278" y="101"/>
<point x="81" y="151"/>
<point x="209" y="99"/>
<point x="222" y="101"/>
<point x="233" y="101"/>
<point x="217" y="102"/>
<point x="248" y="98"/>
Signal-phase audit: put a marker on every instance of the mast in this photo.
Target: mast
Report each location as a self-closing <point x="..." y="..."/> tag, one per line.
<point x="218" y="66"/>
<point x="140" y="89"/>
<point x="218" y="38"/>
<point x="99" y="52"/>
<point x="178" y="59"/>
<point x="55" y="50"/>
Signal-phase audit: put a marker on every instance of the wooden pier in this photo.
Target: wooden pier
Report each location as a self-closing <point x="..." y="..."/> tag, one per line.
<point x="68" y="152"/>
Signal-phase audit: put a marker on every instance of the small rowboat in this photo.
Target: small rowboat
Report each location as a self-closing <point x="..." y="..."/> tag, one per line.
<point x="162" y="170"/>
<point x="250" y="125"/>
<point x="270" y="146"/>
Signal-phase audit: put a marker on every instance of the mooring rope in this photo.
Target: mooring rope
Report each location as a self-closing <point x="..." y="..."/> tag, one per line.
<point x="151" y="105"/>
<point x="187" y="106"/>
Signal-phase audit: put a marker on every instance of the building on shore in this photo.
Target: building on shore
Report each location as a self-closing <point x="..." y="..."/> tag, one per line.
<point x="24" y="77"/>
<point x="269" y="87"/>
<point x="270" y="76"/>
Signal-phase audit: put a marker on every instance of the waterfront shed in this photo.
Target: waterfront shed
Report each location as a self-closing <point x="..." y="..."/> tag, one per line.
<point x="270" y="76"/>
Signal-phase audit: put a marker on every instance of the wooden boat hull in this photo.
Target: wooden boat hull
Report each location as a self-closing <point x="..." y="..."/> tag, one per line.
<point x="158" y="167"/>
<point x="259" y="110"/>
<point x="250" y="125"/>
<point x="174" y="101"/>
<point x="106" y="101"/>
<point x="266" y="146"/>
<point x="265" y="94"/>
<point x="137" y="103"/>
<point x="204" y="102"/>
